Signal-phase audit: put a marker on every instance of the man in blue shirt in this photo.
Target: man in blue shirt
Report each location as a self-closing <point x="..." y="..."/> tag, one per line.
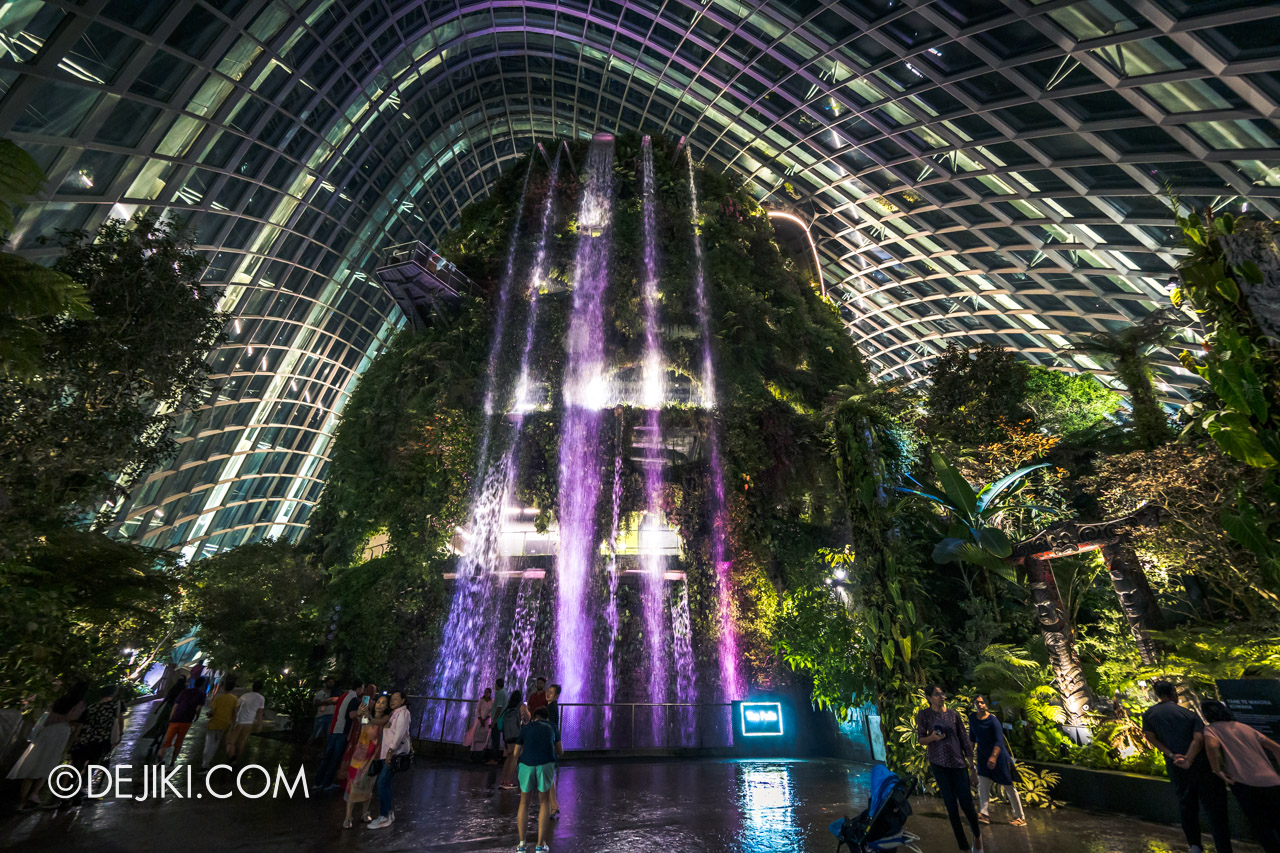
<point x="536" y="751"/>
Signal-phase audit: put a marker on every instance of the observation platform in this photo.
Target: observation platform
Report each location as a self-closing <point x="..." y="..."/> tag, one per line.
<point x="421" y="280"/>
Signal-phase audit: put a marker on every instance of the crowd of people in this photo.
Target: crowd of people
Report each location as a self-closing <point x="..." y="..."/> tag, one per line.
<point x="366" y="743"/>
<point x="365" y="737"/>
<point x="363" y="731"/>
<point x="525" y="736"/>
<point x="1203" y="756"/>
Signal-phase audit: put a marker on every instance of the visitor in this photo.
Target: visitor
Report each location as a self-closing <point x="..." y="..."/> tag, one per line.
<point x="48" y="743"/>
<point x="538" y="699"/>
<point x="477" y="736"/>
<point x="249" y="711"/>
<point x="513" y="717"/>
<point x="1179" y="734"/>
<point x="324" y="709"/>
<point x="395" y="741"/>
<point x="155" y="733"/>
<point x="994" y="761"/>
<point x="360" y="782"/>
<point x="337" y="741"/>
<point x="101" y="725"/>
<point x="536" y="751"/>
<point x="553" y="716"/>
<point x="222" y="713"/>
<point x="359" y="709"/>
<point x="185" y="711"/>
<point x="495" y="728"/>
<point x="1247" y="770"/>
<point x="553" y="705"/>
<point x="950" y="753"/>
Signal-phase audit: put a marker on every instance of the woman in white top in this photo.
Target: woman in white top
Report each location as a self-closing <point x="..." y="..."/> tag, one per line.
<point x="395" y="741"/>
<point x="48" y="743"/>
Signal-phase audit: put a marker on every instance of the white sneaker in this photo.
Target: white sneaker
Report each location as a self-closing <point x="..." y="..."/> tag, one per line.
<point x="376" y="823"/>
<point x="390" y="818"/>
<point x="522" y="847"/>
<point x="542" y="848"/>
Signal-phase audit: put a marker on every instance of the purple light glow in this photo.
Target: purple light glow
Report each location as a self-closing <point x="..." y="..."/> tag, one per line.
<point x="459" y="666"/>
<point x="584" y="389"/>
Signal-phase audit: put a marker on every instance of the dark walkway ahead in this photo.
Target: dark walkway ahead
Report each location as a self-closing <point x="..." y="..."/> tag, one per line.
<point x="671" y="807"/>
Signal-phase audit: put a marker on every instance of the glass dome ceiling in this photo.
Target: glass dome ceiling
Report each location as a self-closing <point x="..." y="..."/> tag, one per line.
<point x="971" y="170"/>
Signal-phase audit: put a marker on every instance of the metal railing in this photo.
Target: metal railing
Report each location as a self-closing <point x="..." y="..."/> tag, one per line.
<point x="429" y="259"/>
<point x="600" y="726"/>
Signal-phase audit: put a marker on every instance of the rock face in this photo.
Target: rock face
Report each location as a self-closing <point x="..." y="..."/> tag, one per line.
<point x="1255" y="240"/>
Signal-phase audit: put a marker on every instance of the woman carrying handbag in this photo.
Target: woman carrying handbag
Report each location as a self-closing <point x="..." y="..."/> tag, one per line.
<point x="395" y="754"/>
<point x="994" y="761"/>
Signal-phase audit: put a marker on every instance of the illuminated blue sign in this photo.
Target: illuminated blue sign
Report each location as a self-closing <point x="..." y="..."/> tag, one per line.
<point x="761" y="719"/>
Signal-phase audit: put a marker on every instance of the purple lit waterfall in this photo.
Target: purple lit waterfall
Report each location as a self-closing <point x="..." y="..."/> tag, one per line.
<point x="537" y="279"/>
<point x="611" y="607"/>
<point x="585" y="394"/>
<point x="653" y="463"/>
<point x="500" y="316"/>
<point x="730" y="679"/>
<point x="468" y="642"/>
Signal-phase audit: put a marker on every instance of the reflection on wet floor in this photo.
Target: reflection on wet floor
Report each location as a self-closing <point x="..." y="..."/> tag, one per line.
<point x="620" y="807"/>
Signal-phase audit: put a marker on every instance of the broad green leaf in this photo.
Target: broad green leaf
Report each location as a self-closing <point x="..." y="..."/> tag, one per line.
<point x="993" y="491"/>
<point x="1244" y="526"/>
<point x="955" y="486"/>
<point x="948" y="550"/>
<point x="20" y="178"/>
<point x="1239" y="387"/>
<point x="994" y="541"/>
<point x="907" y="491"/>
<point x="1237" y="437"/>
<point x="1227" y="289"/>
<point x="1251" y="272"/>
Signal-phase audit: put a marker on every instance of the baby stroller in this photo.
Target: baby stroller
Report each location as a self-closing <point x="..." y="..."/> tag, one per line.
<point x="880" y="827"/>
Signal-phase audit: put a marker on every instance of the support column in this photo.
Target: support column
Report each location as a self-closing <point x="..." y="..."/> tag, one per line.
<point x="1136" y="599"/>
<point x="1052" y="619"/>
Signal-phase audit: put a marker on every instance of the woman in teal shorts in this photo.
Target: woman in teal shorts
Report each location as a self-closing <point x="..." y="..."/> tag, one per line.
<point x="536" y="751"/>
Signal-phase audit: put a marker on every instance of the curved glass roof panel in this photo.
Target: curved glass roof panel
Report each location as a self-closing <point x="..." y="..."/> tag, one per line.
<point x="969" y="171"/>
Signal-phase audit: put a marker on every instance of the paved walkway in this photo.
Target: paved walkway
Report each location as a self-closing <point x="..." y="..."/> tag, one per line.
<point x="617" y="807"/>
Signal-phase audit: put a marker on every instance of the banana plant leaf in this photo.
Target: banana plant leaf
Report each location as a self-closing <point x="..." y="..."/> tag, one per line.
<point x="955" y="486"/>
<point x="993" y="491"/>
<point x="948" y="550"/>
<point x="994" y="541"/>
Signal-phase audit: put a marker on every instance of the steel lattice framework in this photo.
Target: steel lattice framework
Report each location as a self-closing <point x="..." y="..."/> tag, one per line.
<point x="970" y="169"/>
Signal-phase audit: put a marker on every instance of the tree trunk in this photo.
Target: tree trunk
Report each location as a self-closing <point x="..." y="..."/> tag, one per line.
<point x="1149" y="420"/>
<point x="1136" y="599"/>
<point x="1050" y="615"/>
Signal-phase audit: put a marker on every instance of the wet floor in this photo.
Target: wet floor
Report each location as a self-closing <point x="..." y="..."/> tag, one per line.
<point x="668" y="806"/>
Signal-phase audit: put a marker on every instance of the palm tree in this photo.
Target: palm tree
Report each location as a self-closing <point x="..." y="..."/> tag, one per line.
<point x="1128" y="352"/>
